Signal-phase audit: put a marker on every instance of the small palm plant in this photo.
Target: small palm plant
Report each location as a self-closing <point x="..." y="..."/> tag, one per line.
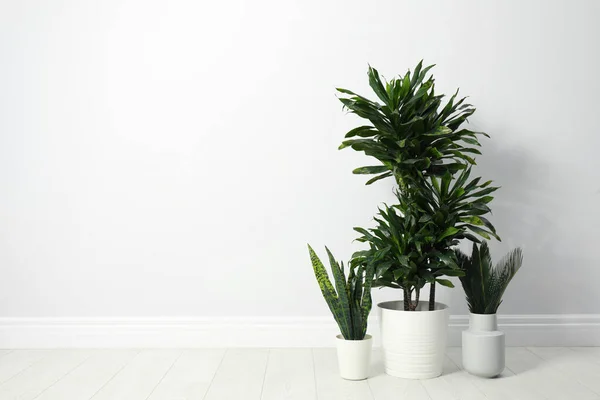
<point x="483" y="283"/>
<point x="350" y="301"/>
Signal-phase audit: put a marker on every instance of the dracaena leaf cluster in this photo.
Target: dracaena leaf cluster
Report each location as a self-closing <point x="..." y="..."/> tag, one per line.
<point x="419" y="141"/>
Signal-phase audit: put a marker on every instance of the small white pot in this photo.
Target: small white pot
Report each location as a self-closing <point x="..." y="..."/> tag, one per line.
<point x="354" y="357"/>
<point x="483" y="346"/>
<point x="414" y="342"/>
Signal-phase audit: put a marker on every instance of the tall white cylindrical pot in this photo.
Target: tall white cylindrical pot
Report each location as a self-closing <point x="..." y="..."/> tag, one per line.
<point x="483" y="346"/>
<point x="354" y="357"/>
<point x="414" y="342"/>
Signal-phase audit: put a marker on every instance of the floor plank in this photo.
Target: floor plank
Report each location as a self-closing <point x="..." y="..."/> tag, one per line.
<point x="538" y="377"/>
<point x="459" y="382"/>
<point x="240" y="375"/>
<point x="440" y="388"/>
<point x="290" y="375"/>
<point x="328" y="382"/>
<point x="139" y="378"/>
<point x="260" y="374"/>
<point x="591" y="353"/>
<point x="573" y="364"/>
<point x="32" y="381"/>
<point x="16" y="361"/>
<point x="85" y="380"/>
<point x="507" y="386"/>
<point x="190" y="376"/>
<point x="385" y="387"/>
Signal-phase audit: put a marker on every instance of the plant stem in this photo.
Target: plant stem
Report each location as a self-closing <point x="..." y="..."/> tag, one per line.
<point x="432" y="296"/>
<point x="406" y="299"/>
<point x="417" y="294"/>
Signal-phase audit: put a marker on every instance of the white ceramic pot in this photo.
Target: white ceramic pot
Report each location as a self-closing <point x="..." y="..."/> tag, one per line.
<point x="354" y="357"/>
<point x="414" y="342"/>
<point x="483" y="346"/>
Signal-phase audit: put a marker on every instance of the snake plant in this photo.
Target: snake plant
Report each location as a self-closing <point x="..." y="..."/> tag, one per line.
<point x="350" y="300"/>
<point x="484" y="283"/>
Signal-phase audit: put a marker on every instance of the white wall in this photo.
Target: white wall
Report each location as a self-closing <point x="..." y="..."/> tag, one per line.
<point x="173" y="158"/>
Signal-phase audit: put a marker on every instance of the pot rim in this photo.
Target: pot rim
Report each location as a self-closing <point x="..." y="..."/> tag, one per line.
<point x="392" y="306"/>
<point x="366" y="339"/>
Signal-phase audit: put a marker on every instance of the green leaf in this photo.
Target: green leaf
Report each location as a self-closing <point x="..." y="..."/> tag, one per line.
<point x="378" y="177"/>
<point x="362" y="131"/>
<point x="331" y="297"/>
<point x="370" y="170"/>
<point x="377" y="86"/>
<point x="483" y="192"/>
<point x="446" y="179"/>
<point x="398" y="273"/>
<point x="448" y="232"/>
<point x="340" y="285"/>
<point x="445" y="282"/>
<point x="451" y="272"/>
<point x="480" y="231"/>
<point x="471" y="141"/>
<point x="483" y="283"/>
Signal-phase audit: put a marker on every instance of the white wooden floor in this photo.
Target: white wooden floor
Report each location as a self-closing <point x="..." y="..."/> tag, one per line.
<point x="278" y="374"/>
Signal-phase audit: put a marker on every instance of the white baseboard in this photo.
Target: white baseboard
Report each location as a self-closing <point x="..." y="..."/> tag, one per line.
<point x="538" y="330"/>
<point x="521" y="330"/>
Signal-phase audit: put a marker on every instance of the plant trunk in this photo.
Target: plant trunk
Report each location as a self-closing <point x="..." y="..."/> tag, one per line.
<point x="416" y="303"/>
<point x="406" y="299"/>
<point x="432" y="296"/>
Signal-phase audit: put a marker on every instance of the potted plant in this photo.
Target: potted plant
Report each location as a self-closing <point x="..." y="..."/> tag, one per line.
<point x="483" y="344"/>
<point x="350" y="303"/>
<point x="420" y="143"/>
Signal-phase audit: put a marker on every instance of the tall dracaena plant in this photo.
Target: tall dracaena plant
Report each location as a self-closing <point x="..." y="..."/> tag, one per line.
<point x="420" y="143"/>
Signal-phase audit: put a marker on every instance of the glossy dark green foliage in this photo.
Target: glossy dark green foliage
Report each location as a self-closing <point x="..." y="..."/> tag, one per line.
<point x="411" y="245"/>
<point x="484" y="283"/>
<point x="400" y="245"/>
<point x="350" y="301"/>
<point x="419" y="141"/>
<point x="410" y="132"/>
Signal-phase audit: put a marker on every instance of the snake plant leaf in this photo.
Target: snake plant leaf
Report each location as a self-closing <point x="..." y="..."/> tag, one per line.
<point x="340" y="285"/>
<point x="331" y="297"/>
<point x="367" y="301"/>
<point x="351" y="282"/>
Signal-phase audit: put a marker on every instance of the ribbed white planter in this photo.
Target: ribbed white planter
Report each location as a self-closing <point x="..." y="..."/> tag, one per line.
<point x="354" y="357"/>
<point x="414" y="342"/>
<point x="483" y="346"/>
